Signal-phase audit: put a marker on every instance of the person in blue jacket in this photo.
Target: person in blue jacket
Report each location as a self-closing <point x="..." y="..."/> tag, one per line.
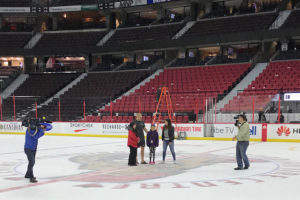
<point x="31" y="142"/>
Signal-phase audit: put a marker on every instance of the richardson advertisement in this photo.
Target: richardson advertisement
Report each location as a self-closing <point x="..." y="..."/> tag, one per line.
<point x="229" y="131"/>
<point x="284" y="131"/>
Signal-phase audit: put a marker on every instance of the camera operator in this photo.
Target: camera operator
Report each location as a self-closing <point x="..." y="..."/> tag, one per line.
<point x="34" y="131"/>
<point x="242" y="138"/>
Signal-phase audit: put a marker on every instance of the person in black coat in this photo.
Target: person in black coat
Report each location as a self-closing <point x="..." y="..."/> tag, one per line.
<point x="168" y="140"/>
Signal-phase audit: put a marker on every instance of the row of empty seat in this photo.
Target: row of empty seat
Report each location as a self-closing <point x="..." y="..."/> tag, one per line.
<point x="277" y="77"/>
<point x="36" y="88"/>
<point x="14" y="40"/>
<point x="188" y="88"/>
<point x="15" y="3"/>
<point x="252" y="22"/>
<point x="67" y="40"/>
<point x="159" y="32"/>
<point x="293" y="20"/>
<point x="128" y="119"/>
<point x="95" y="89"/>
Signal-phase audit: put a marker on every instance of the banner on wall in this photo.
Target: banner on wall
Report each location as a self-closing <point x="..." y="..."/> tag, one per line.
<point x="65" y="8"/>
<point x="284" y="131"/>
<point x="14" y="9"/>
<point x="12" y="127"/>
<point x="229" y="130"/>
<point x="157" y="1"/>
<point x="130" y="3"/>
<point x="89" y="7"/>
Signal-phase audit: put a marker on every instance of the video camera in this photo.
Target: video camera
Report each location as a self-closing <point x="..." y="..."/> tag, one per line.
<point x="35" y="124"/>
<point x="237" y="123"/>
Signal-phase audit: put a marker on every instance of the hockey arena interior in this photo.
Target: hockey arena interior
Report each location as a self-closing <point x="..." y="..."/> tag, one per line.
<point x="149" y="99"/>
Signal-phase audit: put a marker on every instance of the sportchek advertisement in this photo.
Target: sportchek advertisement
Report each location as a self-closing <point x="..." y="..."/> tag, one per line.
<point x="229" y="130"/>
<point x="284" y="131"/>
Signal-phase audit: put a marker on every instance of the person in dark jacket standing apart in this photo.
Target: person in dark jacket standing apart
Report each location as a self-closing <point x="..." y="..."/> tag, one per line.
<point x="132" y="143"/>
<point x="168" y="140"/>
<point x="242" y="138"/>
<point x="30" y="148"/>
<point x="140" y="127"/>
<point x="152" y="143"/>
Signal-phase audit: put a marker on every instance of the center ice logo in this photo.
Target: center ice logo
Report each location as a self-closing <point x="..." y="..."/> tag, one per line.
<point x="283" y="130"/>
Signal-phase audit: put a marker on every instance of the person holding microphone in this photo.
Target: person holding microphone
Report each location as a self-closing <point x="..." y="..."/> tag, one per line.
<point x="242" y="138"/>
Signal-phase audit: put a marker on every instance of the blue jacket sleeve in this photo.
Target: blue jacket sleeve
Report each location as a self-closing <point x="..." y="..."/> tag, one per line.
<point x="39" y="134"/>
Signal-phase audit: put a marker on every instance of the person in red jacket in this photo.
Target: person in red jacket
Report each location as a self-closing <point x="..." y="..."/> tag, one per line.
<point x="132" y="143"/>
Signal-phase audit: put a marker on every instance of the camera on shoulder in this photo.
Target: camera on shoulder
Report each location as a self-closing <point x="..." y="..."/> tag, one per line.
<point x="34" y="123"/>
<point x="237" y="123"/>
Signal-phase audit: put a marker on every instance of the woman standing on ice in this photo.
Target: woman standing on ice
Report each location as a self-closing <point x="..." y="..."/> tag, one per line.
<point x="242" y="138"/>
<point x="132" y="143"/>
<point x="168" y="139"/>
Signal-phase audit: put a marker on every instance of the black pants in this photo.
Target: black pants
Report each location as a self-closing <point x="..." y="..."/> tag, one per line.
<point x="132" y="156"/>
<point x="152" y="153"/>
<point x="31" y="161"/>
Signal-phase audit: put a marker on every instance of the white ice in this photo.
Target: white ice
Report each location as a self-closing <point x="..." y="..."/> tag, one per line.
<point x="96" y="168"/>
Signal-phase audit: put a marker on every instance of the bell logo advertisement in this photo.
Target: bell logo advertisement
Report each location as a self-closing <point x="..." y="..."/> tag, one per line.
<point x="253" y="130"/>
<point x="229" y="130"/>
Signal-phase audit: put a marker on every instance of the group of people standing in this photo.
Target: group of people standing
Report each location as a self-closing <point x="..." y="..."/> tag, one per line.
<point x="136" y="139"/>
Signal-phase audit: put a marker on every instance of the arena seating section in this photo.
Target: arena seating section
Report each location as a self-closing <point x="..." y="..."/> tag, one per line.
<point x="14" y="40"/>
<point x="41" y="86"/>
<point x="253" y="22"/>
<point x="72" y="2"/>
<point x="156" y="32"/>
<point x="287" y="55"/>
<point x="70" y="40"/>
<point x="96" y="89"/>
<point x="15" y="3"/>
<point x="278" y="77"/>
<point x="293" y="20"/>
<point x="188" y="87"/>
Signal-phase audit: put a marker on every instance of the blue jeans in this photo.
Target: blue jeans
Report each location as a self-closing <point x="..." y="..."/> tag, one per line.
<point x="241" y="148"/>
<point x="167" y="143"/>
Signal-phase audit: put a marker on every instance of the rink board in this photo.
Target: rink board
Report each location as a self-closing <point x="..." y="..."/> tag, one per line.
<point x="197" y="131"/>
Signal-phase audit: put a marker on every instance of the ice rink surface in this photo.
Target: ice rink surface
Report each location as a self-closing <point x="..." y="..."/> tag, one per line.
<point x="96" y="168"/>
